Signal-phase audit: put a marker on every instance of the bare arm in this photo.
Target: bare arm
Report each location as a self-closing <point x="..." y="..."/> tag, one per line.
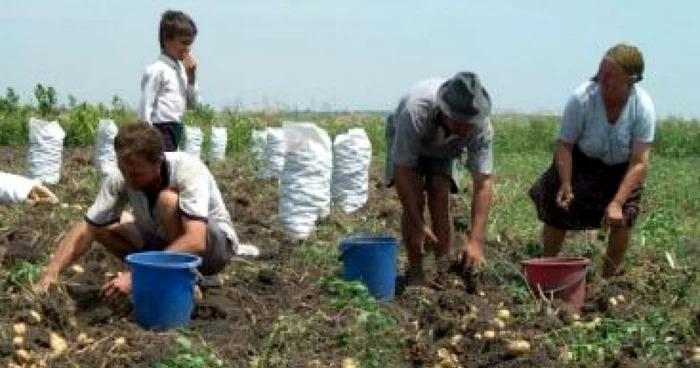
<point x="71" y="248"/>
<point x="637" y="170"/>
<point x="194" y="238"/>
<point x="481" y="203"/>
<point x="192" y="91"/>
<point x="563" y="160"/>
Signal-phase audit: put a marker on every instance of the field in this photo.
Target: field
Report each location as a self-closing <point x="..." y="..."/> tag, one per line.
<point x="291" y="309"/>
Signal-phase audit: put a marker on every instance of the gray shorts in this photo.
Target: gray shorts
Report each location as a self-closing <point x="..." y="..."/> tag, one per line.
<point x="428" y="166"/>
<point x="217" y="255"/>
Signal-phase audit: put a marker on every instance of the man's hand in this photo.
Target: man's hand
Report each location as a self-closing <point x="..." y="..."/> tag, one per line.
<point x="190" y="68"/>
<point x="45" y="281"/>
<point x="41" y="194"/>
<point x="118" y="285"/>
<point x="473" y="254"/>
<point x="564" y="196"/>
<point x="613" y="215"/>
<point x="427" y="238"/>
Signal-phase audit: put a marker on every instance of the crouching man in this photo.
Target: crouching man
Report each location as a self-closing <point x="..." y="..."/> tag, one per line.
<point x="175" y="206"/>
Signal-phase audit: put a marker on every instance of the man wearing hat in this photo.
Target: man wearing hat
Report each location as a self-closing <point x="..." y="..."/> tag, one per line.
<point x="601" y="158"/>
<point x="439" y="125"/>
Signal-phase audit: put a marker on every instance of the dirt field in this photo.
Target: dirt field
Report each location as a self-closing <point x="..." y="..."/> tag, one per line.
<point x="275" y="311"/>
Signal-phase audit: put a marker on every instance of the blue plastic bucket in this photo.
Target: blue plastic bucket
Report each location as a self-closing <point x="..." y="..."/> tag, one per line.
<point x="371" y="260"/>
<point x="162" y="286"/>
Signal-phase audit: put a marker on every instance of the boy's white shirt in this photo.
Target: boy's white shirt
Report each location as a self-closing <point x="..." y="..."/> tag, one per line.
<point x="165" y="93"/>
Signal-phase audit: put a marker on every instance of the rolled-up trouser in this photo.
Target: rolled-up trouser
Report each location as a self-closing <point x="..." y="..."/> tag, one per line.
<point x="217" y="255"/>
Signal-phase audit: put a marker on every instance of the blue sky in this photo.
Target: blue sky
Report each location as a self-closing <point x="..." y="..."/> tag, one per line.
<point x="353" y="54"/>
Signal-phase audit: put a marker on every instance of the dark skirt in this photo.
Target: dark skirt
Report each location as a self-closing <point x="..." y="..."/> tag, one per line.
<point x="594" y="185"/>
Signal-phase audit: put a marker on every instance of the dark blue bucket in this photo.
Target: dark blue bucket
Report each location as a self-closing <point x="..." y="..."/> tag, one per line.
<point x="371" y="260"/>
<point x="162" y="285"/>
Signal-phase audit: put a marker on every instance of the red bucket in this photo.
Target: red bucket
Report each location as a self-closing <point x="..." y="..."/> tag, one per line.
<point x="562" y="278"/>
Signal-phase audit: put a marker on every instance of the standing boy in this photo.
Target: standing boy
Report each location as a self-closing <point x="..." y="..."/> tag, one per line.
<point x="168" y="86"/>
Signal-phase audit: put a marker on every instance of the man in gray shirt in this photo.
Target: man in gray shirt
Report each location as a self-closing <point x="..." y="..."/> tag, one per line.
<point x="435" y="126"/>
<point x="175" y="206"/>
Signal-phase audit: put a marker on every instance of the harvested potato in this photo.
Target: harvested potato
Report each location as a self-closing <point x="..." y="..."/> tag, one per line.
<point x="415" y="325"/>
<point x="612" y="302"/>
<point x="695" y="358"/>
<point x="350" y="363"/>
<point x="78" y="269"/>
<point x="18" y="341"/>
<point x="518" y="347"/>
<point x="489" y="334"/>
<point x="455" y="340"/>
<point x="498" y="323"/>
<point x="477" y="336"/>
<point x="695" y="350"/>
<point x="35" y="316"/>
<point x="22" y="356"/>
<point x="119" y="342"/>
<point x="446" y="359"/>
<point x="57" y="343"/>
<point x="83" y="340"/>
<point x="443" y="354"/>
<point x="503" y="314"/>
<point x="620" y="298"/>
<point x="19" y="328"/>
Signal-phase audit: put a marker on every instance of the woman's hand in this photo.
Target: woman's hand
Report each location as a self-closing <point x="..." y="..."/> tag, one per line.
<point x="565" y="195"/>
<point x="613" y="215"/>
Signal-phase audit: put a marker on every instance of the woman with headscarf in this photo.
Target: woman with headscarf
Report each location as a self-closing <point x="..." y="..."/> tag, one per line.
<point x="601" y="158"/>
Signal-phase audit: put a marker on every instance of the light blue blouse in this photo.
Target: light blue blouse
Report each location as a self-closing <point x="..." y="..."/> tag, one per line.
<point x="585" y="124"/>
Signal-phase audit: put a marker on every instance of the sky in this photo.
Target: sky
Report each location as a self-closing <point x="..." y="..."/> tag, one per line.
<point x="352" y="55"/>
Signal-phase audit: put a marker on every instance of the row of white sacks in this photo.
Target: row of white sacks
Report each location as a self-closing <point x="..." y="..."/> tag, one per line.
<point x="312" y="172"/>
<point x="46" y="145"/>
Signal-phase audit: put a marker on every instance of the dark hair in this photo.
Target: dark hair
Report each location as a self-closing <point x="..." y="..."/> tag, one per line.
<point x="173" y="24"/>
<point x="139" y="139"/>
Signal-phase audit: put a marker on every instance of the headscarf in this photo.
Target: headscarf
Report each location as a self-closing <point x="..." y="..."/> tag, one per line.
<point x="629" y="58"/>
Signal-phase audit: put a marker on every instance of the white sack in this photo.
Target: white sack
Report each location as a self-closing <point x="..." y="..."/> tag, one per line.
<point x="352" y="154"/>
<point x="45" y="150"/>
<point x="306" y="178"/>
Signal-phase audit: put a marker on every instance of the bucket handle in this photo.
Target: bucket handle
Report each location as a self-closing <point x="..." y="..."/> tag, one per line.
<point x="569" y="284"/>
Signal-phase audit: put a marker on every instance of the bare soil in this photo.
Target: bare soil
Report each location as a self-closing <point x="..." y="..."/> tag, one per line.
<point x="237" y="318"/>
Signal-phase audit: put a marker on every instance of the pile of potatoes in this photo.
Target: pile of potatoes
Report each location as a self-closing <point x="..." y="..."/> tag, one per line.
<point x="22" y="338"/>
